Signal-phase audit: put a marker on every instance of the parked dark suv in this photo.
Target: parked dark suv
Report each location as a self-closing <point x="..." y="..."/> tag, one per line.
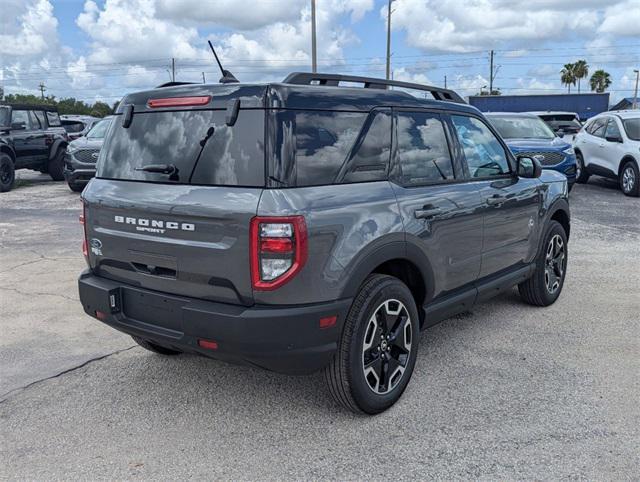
<point x="306" y="225"/>
<point x="82" y="155"/>
<point x="31" y="137"/>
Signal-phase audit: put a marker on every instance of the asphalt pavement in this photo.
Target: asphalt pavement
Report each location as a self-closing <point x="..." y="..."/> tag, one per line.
<point x="506" y="392"/>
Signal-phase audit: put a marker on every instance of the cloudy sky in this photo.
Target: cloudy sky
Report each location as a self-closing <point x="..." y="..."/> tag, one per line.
<point x="100" y="49"/>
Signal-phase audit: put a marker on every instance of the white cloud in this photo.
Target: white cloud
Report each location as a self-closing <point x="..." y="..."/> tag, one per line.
<point x="235" y="14"/>
<point x="129" y="30"/>
<point x="622" y="20"/>
<point x="29" y="29"/>
<point x="445" y="25"/>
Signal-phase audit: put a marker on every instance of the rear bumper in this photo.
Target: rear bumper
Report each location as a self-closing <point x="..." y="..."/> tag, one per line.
<point x="285" y="339"/>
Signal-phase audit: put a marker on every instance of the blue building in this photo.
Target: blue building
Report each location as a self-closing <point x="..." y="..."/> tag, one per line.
<point x="585" y="105"/>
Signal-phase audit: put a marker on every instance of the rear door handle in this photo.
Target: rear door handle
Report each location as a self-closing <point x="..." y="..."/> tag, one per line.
<point x="495" y="200"/>
<point x="428" y="211"/>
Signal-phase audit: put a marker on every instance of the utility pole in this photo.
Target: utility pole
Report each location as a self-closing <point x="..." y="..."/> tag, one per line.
<point x="204" y="81"/>
<point x="389" y="39"/>
<point x="491" y="72"/>
<point x="42" y="89"/>
<point x="635" y="95"/>
<point x="314" y="58"/>
<point x="173" y="69"/>
<point x="445" y="81"/>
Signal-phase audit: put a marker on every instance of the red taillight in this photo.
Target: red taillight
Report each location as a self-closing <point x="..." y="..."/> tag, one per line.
<point x="179" y="101"/>
<point x="101" y="315"/>
<point x="278" y="250"/>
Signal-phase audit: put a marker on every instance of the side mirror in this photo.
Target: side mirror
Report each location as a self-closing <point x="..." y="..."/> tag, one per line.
<point x="18" y="126"/>
<point x="613" y="139"/>
<point x="528" y="167"/>
<point x="560" y="133"/>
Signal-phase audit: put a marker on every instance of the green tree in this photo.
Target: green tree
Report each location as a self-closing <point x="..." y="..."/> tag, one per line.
<point x="67" y="105"/>
<point x="568" y="76"/>
<point x="600" y="81"/>
<point x="100" y="109"/>
<point x="580" y="70"/>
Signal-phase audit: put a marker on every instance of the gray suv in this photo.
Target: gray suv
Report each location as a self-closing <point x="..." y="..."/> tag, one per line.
<point x="308" y="225"/>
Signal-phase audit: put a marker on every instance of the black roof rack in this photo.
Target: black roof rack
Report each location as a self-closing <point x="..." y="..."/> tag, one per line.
<point x="308" y="78"/>
<point x="45" y="107"/>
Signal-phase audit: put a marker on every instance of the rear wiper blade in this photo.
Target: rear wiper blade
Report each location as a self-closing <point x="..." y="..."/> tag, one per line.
<point x="159" y="168"/>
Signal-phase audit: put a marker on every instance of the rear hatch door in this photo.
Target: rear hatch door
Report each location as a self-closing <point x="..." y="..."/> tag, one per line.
<point x="184" y="232"/>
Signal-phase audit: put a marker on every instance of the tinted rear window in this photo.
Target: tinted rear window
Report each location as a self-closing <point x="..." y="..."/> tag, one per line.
<point x="232" y="156"/>
<point x="72" y="126"/>
<point x="323" y="141"/>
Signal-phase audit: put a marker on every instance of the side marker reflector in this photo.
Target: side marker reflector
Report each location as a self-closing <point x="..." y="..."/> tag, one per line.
<point x="328" y="321"/>
<point x="208" y="344"/>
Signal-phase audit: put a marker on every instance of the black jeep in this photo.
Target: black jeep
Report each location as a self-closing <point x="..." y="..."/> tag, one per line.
<point x="31" y="137"/>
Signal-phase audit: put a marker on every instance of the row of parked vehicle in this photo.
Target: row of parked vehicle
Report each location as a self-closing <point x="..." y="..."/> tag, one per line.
<point x="37" y="138"/>
<point x="608" y="145"/>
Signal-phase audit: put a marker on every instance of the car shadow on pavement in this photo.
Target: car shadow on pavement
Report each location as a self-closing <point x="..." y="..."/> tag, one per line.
<point x="187" y="381"/>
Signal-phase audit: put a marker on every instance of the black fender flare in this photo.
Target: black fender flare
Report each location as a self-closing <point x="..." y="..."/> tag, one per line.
<point x="560" y="204"/>
<point x="58" y="143"/>
<point x="7" y="149"/>
<point x="373" y="257"/>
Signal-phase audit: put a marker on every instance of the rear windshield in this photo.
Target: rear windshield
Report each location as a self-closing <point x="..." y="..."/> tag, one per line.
<point x="632" y="128"/>
<point x="72" y="126"/>
<point x="232" y="156"/>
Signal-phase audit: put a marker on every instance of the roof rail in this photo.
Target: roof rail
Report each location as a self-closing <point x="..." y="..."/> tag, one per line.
<point x="308" y="78"/>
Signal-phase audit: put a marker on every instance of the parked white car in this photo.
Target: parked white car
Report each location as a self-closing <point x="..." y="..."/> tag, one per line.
<point x="609" y="146"/>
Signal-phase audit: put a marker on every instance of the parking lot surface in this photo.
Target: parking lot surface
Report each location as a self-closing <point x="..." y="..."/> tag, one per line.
<point x="506" y="392"/>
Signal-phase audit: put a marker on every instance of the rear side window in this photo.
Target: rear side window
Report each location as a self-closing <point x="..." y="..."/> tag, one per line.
<point x="423" y="151"/>
<point x="40" y="116"/>
<point x="232" y="156"/>
<point x="33" y="120"/>
<point x="53" y="119"/>
<point x="323" y="141"/>
<point x="597" y="127"/>
<point x="370" y="159"/>
<point x="483" y="152"/>
<point x="612" y="130"/>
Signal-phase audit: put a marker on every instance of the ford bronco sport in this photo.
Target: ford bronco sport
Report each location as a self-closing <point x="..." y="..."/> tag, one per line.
<point x="31" y="137"/>
<point x="308" y="225"/>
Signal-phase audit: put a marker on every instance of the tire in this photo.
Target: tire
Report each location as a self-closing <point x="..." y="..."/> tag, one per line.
<point x="76" y="187"/>
<point x="545" y="285"/>
<point x="55" y="167"/>
<point x="148" y="345"/>
<point x="7" y="173"/>
<point x="365" y="390"/>
<point x="630" y="179"/>
<point x="582" y="175"/>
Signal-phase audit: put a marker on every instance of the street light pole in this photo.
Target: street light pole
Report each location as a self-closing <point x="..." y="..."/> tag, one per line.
<point x="635" y="95"/>
<point x="314" y="60"/>
<point x="389" y="40"/>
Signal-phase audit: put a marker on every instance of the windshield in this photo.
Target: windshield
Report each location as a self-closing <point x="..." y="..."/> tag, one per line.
<point x="232" y="156"/>
<point x="4" y="116"/>
<point x="522" y="127"/>
<point x="632" y="128"/>
<point x="99" y="130"/>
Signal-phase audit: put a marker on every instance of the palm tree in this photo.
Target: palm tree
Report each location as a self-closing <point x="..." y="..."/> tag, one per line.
<point x="581" y="70"/>
<point x="568" y="76"/>
<point x="600" y="81"/>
